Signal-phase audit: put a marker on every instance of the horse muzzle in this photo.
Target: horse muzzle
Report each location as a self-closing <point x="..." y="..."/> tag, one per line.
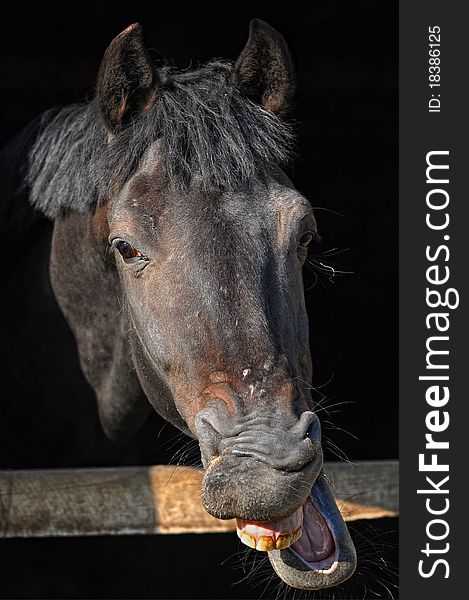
<point x="270" y="479"/>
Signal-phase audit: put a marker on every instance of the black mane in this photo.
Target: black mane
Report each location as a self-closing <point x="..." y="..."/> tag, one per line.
<point x="208" y="132"/>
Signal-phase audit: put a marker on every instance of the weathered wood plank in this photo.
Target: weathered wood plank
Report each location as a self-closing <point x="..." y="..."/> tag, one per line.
<point x="367" y="482"/>
<point x="160" y="499"/>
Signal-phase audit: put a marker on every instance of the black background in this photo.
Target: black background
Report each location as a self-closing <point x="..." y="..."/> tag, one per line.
<point x="346" y="109"/>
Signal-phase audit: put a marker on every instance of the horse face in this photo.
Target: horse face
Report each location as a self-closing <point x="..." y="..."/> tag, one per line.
<point x="213" y="290"/>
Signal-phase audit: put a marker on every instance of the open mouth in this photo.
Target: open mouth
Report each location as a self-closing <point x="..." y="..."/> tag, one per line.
<point x="305" y="531"/>
<point x="310" y="549"/>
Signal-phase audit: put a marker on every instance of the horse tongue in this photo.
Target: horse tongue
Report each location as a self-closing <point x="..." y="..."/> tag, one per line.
<point x="316" y="542"/>
<point x="273" y="535"/>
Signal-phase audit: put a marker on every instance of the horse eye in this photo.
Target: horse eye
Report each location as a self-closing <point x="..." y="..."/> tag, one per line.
<point x="305" y="239"/>
<point x="126" y="250"/>
<point x="309" y="237"/>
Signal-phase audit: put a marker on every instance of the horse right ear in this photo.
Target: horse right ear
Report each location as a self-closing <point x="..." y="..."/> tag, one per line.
<point x="264" y="71"/>
<point x="127" y="79"/>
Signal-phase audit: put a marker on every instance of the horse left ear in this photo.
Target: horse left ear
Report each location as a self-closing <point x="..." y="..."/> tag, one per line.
<point x="264" y="71"/>
<point x="127" y="79"/>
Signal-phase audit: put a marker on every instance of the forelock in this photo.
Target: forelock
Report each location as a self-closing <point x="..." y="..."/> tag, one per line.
<point x="208" y="133"/>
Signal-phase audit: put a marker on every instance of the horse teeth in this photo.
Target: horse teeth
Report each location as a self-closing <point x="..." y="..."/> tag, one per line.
<point x="283" y="541"/>
<point x="297" y="534"/>
<point x="248" y="539"/>
<point x="265" y="543"/>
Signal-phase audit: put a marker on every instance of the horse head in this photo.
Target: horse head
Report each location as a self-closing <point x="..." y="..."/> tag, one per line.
<point x="177" y="260"/>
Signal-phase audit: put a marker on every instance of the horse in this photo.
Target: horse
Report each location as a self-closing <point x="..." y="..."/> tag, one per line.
<point x="176" y="254"/>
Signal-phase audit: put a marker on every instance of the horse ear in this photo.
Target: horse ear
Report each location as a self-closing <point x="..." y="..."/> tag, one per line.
<point x="127" y="79"/>
<point x="264" y="71"/>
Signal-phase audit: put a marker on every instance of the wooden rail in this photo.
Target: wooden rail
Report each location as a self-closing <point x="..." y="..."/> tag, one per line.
<point x="160" y="499"/>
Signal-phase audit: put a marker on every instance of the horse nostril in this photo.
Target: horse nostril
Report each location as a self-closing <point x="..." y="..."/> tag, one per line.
<point x="314" y="430"/>
<point x="209" y="438"/>
<point x="309" y="427"/>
